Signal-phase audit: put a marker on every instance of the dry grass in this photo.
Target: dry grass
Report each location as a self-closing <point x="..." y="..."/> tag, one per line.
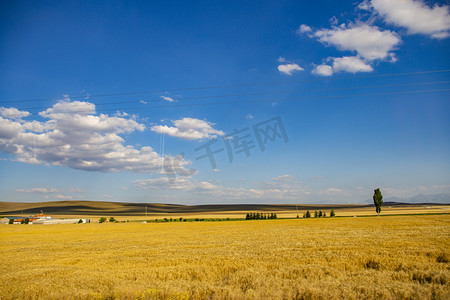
<point x="386" y="257"/>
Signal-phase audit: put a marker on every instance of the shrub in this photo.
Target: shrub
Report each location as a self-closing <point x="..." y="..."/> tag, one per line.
<point x="316" y="214"/>
<point x="80" y="221"/>
<point x="332" y="214"/>
<point x="27" y="220"/>
<point x="442" y="258"/>
<point x="102" y="220"/>
<point x="372" y="264"/>
<point x="11" y="221"/>
<point x="112" y="220"/>
<point x="308" y="214"/>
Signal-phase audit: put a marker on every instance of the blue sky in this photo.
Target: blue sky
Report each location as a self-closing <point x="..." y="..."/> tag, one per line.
<point x="95" y="96"/>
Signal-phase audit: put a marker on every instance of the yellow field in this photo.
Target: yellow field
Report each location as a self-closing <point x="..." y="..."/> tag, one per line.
<point x="373" y="257"/>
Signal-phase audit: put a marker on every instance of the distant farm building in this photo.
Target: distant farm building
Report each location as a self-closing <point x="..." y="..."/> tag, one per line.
<point x="42" y="216"/>
<point x="47" y="219"/>
<point x="4" y="221"/>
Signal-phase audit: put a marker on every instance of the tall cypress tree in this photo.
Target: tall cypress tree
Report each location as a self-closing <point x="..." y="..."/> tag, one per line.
<point x="377" y="200"/>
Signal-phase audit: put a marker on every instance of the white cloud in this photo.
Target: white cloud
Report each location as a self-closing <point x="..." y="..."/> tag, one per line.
<point x="63" y="197"/>
<point x="369" y="42"/>
<point x="330" y="191"/>
<point x="168" y="98"/>
<point x="351" y="64"/>
<point x="304" y="29"/>
<point x="288" y="69"/>
<point x="189" y="129"/>
<point x="365" y="5"/>
<point x="333" y="20"/>
<point x="249" y="117"/>
<point x="39" y="190"/>
<point x="284" y="187"/>
<point x="181" y="184"/>
<point x="75" y="136"/>
<point x="281" y="59"/>
<point x="143" y="102"/>
<point x="416" y="16"/>
<point x="13" y="113"/>
<point x="322" y="70"/>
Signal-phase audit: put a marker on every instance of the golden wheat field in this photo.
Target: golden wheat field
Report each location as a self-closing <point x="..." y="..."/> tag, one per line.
<point x="373" y="257"/>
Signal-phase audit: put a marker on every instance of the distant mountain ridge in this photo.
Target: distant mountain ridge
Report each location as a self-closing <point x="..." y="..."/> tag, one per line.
<point x="435" y="198"/>
<point x="92" y="208"/>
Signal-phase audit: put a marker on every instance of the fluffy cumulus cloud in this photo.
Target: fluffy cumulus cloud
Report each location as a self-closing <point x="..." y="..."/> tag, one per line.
<point x="322" y="70"/>
<point x="289" y="69"/>
<point x="73" y="135"/>
<point x="13" y="113"/>
<point x="189" y="129"/>
<point x="304" y="29"/>
<point x="369" y="42"/>
<point x="414" y="15"/>
<point x="351" y="64"/>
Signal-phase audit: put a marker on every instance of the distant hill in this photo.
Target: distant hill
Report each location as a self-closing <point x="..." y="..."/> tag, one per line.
<point x="129" y="209"/>
<point x="435" y="198"/>
<point x="124" y="208"/>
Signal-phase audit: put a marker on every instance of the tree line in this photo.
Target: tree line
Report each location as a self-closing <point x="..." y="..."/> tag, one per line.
<point x="260" y="216"/>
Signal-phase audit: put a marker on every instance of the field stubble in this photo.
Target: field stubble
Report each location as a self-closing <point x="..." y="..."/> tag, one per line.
<point x="386" y="257"/>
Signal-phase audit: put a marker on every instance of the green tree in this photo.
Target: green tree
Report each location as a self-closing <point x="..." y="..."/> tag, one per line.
<point x="112" y="220"/>
<point x="102" y="220"/>
<point x="377" y="200"/>
<point x="80" y="221"/>
<point x="316" y="214"/>
<point x="27" y="220"/>
<point x="11" y="221"/>
<point x="332" y="214"/>
<point x="308" y="214"/>
<point x="320" y="214"/>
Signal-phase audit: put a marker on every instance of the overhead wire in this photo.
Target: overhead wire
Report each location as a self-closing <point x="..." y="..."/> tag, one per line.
<point x="252" y="94"/>
<point x="264" y="100"/>
<point x="229" y="85"/>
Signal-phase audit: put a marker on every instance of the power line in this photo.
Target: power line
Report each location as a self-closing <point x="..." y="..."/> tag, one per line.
<point x="266" y="100"/>
<point x="255" y="94"/>
<point x="230" y="85"/>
